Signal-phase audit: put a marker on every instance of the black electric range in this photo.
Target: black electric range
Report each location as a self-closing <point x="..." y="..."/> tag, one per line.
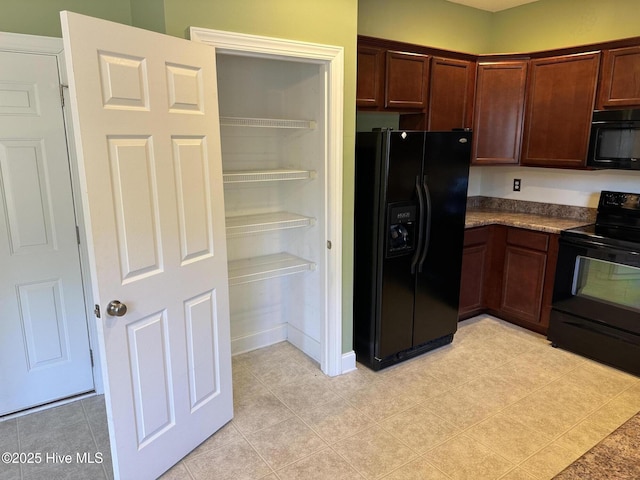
<point x="617" y="221"/>
<point x="596" y="300"/>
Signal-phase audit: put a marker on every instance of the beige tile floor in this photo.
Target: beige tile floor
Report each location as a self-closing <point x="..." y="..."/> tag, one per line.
<point x="499" y="403"/>
<point x="78" y="427"/>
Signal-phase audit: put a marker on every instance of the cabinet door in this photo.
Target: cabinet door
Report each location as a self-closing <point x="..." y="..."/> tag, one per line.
<point x="560" y="101"/>
<point x="498" y="113"/>
<point x="620" y="79"/>
<point x="473" y="274"/>
<point x="523" y="281"/>
<point x="549" y="281"/>
<point x="524" y="275"/>
<point x="451" y="95"/>
<point x="407" y="80"/>
<point x="370" y="87"/>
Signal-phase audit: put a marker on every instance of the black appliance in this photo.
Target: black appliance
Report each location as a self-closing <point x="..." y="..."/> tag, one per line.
<point x="410" y="204"/>
<point x="615" y="139"/>
<point x="596" y="299"/>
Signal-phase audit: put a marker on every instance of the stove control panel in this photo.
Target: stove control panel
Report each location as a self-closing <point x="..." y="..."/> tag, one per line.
<point x="619" y="201"/>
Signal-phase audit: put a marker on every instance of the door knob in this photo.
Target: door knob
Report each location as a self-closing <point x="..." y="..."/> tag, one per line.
<point x="116" y="309"/>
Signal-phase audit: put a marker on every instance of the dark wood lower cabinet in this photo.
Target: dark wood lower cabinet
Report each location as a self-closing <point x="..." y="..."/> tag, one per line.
<point x="509" y="272"/>
<point x="522" y="284"/>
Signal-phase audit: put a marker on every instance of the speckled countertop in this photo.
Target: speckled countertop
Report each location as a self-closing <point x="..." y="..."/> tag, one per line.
<point x="544" y="217"/>
<point x="615" y="457"/>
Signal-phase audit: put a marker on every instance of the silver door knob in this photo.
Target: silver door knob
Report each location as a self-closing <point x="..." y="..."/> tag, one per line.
<point x="116" y="309"/>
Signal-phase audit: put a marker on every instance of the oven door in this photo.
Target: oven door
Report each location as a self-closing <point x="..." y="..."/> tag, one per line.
<point x="596" y="302"/>
<point x="599" y="282"/>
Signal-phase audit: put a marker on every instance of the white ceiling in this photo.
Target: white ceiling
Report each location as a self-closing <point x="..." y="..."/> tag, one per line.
<point x="492" y="5"/>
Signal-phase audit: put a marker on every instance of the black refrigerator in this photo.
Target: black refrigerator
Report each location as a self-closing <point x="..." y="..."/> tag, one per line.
<point x="410" y="204"/>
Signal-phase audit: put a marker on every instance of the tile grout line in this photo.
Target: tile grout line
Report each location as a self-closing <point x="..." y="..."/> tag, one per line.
<point x="93" y="436"/>
<point x="256" y="450"/>
<point x="378" y="423"/>
<point x="553" y="438"/>
<point x="186" y="467"/>
<point x="372" y="422"/>
<point x="19" y="446"/>
<point x="296" y="415"/>
<point x="464" y="430"/>
<point x="327" y="444"/>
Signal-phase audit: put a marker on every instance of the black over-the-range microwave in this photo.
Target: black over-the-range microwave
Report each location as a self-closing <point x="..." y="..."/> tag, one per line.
<point x="615" y="139"/>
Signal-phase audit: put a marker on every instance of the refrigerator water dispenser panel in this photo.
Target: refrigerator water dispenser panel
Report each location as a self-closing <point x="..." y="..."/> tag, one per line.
<point x="401" y="230"/>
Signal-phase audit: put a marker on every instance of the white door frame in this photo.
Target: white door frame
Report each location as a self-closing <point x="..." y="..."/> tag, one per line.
<point x="331" y="61"/>
<point x="30" y="44"/>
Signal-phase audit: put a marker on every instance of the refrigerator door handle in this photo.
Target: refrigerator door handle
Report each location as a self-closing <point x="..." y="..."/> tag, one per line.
<point x="416" y="255"/>
<point x="427" y="227"/>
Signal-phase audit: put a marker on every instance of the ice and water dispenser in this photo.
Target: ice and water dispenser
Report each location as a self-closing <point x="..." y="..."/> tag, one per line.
<point x="401" y="221"/>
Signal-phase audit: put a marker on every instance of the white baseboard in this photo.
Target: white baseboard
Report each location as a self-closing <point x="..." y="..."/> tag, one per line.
<point x="304" y="342"/>
<point x="296" y="337"/>
<point x="348" y="362"/>
<point x="259" y="339"/>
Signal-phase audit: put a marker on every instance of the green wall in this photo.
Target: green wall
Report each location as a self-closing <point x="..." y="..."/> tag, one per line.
<point x="541" y="25"/>
<point x="42" y="17"/>
<point x="436" y="23"/>
<point x="548" y="24"/>
<point x="148" y="14"/>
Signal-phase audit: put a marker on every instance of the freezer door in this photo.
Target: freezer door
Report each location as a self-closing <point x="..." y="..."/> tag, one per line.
<point x="445" y="179"/>
<point x="403" y="167"/>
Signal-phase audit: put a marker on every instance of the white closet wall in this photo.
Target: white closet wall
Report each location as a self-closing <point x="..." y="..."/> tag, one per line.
<point x="273" y="154"/>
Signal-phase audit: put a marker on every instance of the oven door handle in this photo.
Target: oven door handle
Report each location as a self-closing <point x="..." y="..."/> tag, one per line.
<point x="594" y="244"/>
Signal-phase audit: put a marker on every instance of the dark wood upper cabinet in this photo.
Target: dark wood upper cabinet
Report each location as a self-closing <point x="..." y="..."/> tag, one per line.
<point x="560" y="100"/>
<point x="370" y="86"/>
<point x="620" y="78"/>
<point x="532" y="109"/>
<point x="407" y="80"/>
<point x="451" y="95"/>
<point x="498" y="112"/>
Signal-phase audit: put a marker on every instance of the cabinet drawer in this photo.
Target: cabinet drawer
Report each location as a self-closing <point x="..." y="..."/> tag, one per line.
<point x="476" y="236"/>
<point x="528" y="239"/>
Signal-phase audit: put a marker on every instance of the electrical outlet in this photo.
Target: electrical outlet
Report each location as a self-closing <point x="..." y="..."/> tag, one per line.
<point x="516" y="184"/>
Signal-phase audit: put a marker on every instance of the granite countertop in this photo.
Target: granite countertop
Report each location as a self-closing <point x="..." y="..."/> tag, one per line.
<point x="615" y="457"/>
<point x="478" y="218"/>
<point x="550" y="218"/>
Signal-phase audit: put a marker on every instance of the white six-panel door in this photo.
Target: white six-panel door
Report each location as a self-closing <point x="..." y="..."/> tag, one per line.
<point x="146" y="119"/>
<point x="44" y="344"/>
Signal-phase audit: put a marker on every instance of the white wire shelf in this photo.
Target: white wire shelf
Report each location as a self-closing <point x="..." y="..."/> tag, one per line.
<point x="249" y="176"/>
<point x="267" y="123"/>
<point x="269" y="266"/>
<point x="249" y="224"/>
